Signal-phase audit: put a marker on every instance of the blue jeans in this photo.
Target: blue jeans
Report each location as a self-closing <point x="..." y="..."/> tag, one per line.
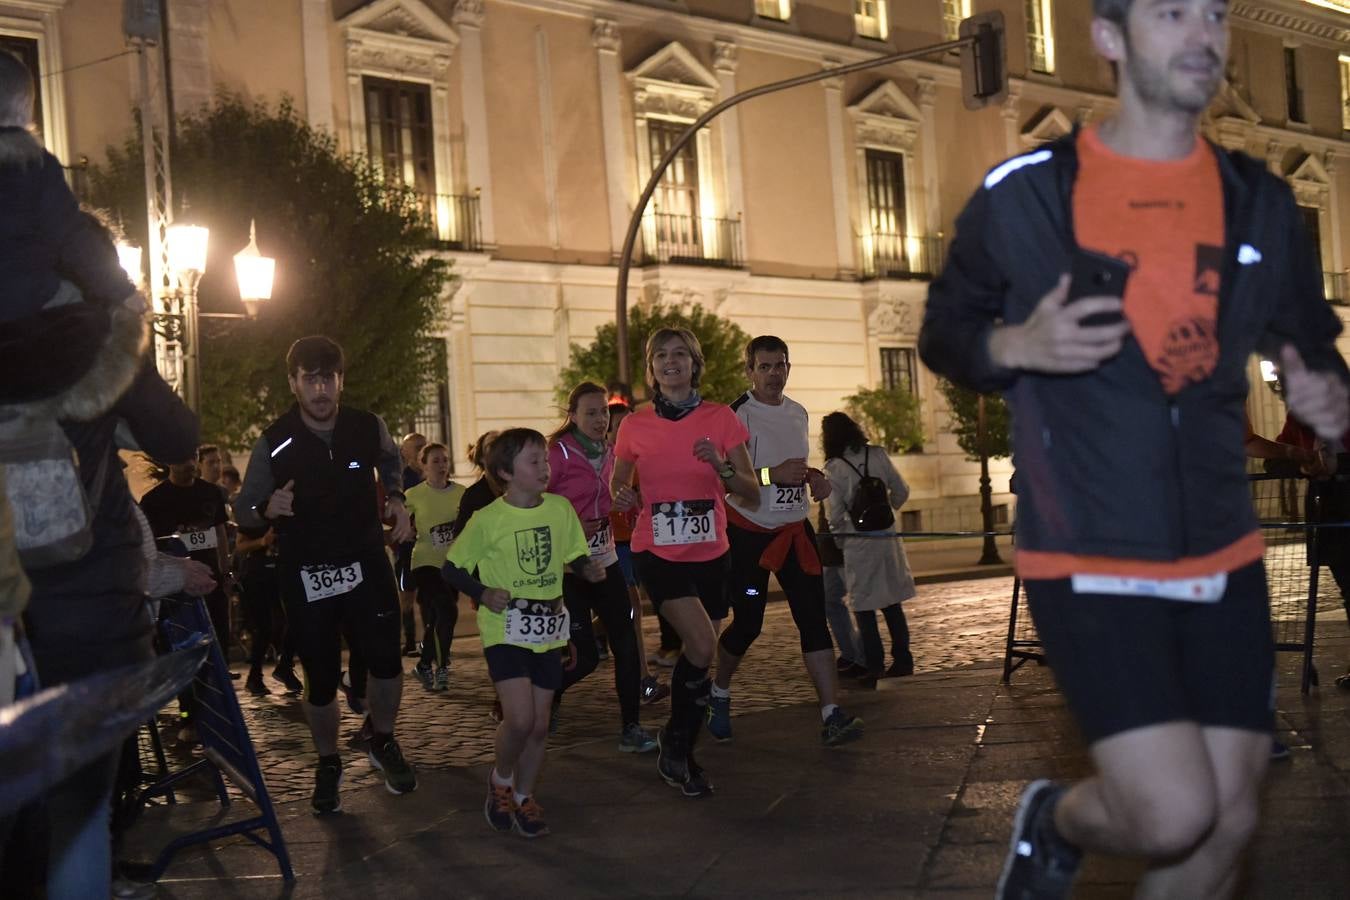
<point x="840" y="617"/>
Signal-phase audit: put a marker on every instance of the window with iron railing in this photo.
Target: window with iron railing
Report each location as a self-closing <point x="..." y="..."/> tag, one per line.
<point x="887" y="247"/>
<point x="677" y="229"/>
<point x="398" y="132"/>
<point x="1040" y="36"/>
<point x="869" y="18"/>
<point x="953" y="11"/>
<point x="899" y="368"/>
<point x="774" y="9"/>
<point x="433" y="419"/>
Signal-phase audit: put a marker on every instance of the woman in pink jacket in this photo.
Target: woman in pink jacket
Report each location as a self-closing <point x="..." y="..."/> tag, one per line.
<point x="580" y="463"/>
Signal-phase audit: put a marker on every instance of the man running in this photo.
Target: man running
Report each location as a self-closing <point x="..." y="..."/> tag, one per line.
<point x="1137" y="541"/>
<point x="312" y="476"/>
<point x="410" y="452"/>
<point x="777" y="538"/>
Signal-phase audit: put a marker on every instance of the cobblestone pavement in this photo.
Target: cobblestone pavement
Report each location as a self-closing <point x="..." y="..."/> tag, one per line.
<point x="952" y="624"/>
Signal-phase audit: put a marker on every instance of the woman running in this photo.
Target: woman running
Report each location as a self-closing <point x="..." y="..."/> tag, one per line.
<point x="688" y="453"/>
<point x="580" y="463"/>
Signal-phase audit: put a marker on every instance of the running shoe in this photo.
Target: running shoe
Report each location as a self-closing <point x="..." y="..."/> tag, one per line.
<point x="188" y="735"/>
<point x="528" y="820"/>
<point x="286" y="675"/>
<point x="442" y="682"/>
<point x="500" y="807"/>
<point x="671" y="758"/>
<point x="1279" y="750"/>
<point x="698" y="785"/>
<point x="254" y="685"/>
<point x="840" y="728"/>
<point x="1343" y="681"/>
<point x="425" y="673"/>
<point x="843" y="664"/>
<point x="666" y="659"/>
<point x="601" y="648"/>
<point x="1039" y="866"/>
<point x="399" y="775"/>
<point x="355" y="702"/>
<point x="412" y="648"/>
<point x="636" y="739"/>
<point x="654" y="691"/>
<point x="867" y="682"/>
<point x="719" y="718"/>
<point x="327" y="781"/>
<point x="367" y="732"/>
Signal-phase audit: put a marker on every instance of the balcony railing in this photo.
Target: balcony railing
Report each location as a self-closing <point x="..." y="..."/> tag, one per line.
<point x="453" y="219"/>
<point x="900" y="256"/>
<point x="691" y="241"/>
<point x="1336" y="287"/>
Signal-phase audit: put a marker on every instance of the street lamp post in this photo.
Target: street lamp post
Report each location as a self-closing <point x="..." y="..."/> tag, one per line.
<point x="178" y="324"/>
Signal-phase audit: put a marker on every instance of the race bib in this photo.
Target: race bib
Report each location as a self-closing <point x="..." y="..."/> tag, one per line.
<point x="329" y="581"/>
<point x="443" y="535"/>
<point x="1208" y="589"/>
<point x="199" y="540"/>
<point x="683" y="522"/>
<point x="601" y="543"/>
<point x="787" y="498"/>
<point x="537" y="625"/>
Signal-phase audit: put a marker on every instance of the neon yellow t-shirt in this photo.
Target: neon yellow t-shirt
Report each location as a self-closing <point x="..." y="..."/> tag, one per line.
<point x="433" y="513"/>
<point x="523" y="551"/>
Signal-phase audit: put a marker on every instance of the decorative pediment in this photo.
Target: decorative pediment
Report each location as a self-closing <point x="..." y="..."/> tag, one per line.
<point x="1050" y="124"/>
<point x="672" y="82"/>
<point x="1310" y="181"/>
<point x="886" y="118"/>
<point x="399" y="39"/>
<point x="1230" y="103"/>
<point x="402" y="19"/>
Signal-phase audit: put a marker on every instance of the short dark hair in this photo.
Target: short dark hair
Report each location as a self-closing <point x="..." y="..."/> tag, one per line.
<point x="427" y="449"/>
<point x="206" y="450"/>
<point x="764" y="343"/>
<point x="1112" y="10"/>
<point x="838" y="432"/>
<point x="502" y="453"/>
<point x="316" y="353"/>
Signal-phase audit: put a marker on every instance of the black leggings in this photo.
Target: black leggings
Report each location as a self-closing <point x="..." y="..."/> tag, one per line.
<point x="897" y="625"/>
<point x="608" y="600"/>
<point x="440" y="611"/>
<point x="748" y="585"/>
<point x="258" y="589"/>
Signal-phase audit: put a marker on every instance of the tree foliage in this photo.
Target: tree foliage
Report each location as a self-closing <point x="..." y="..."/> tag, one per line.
<point x="723" y="343"/>
<point x="964" y="405"/>
<point x="889" y="417"/>
<point x="350" y="251"/>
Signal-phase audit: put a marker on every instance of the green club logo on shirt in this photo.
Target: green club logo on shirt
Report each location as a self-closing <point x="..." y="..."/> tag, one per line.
<point x="534" y="549"/>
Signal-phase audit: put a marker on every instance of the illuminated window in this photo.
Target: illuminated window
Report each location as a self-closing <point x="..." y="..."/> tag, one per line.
<point x="953" y="11"/>
<point x="898" y="368"/>
<point x="1345" y="92"/>
<point x="869" y="18"/>
<point x="774" y="9"/>
<point x="398" y="132"/>
<point x="1040" y="36"/>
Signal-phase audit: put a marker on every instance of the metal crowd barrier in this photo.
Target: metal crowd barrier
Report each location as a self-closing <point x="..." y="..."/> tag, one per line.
<point x="1290" y="521"/>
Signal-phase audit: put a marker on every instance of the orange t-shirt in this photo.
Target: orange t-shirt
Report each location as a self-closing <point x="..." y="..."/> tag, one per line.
<point x="1165" y="219"/>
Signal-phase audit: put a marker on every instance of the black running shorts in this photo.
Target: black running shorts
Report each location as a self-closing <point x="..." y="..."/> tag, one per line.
<point x="666" y="580"/>
<point x="1126" y="662"/>
<point x="507" y="661"/>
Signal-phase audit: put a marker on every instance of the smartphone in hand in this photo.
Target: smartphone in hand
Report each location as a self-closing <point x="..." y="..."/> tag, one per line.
<point x="1097" y="275"/>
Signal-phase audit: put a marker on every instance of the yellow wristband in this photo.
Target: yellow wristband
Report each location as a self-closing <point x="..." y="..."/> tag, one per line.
<point x="764" y="478"/>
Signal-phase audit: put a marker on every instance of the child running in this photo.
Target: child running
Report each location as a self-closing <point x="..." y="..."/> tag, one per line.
<point x="434" y="504"/>
<point x="521" y="544"/>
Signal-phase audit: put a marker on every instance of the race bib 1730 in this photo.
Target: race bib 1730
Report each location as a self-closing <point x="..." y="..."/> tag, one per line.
<point x="683" y="522"/>
<point x="329" y="581"/>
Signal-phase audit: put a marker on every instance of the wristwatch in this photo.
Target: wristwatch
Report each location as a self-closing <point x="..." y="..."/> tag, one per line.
<point x="726" y="470"/>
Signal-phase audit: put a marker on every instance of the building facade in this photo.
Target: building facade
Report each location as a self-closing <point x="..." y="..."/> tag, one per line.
<point x="818" y="214"/>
